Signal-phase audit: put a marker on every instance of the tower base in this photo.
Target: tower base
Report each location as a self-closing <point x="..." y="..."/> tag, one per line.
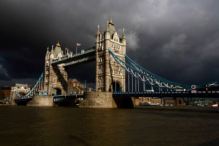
<point x="98" y="100"/>
<point x="41" y="101"/>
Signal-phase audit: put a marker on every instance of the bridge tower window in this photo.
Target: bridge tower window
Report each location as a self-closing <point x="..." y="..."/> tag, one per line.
<point x="101" y="59"/>
<point x="100" y="82"/>
<point x="100" y="71"/>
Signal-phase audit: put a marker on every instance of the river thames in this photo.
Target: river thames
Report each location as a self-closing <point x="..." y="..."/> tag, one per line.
<point x="102" y="127"/>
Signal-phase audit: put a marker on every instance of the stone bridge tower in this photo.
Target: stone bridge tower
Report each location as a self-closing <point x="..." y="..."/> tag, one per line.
<point x="55" y="78"/>
<point x="22" y="89"/>
<point x="109" y="75"/>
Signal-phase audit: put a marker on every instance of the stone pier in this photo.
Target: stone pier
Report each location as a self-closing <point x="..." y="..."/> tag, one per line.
<point x="41" y="101"/>
<point x="98" y="100"/>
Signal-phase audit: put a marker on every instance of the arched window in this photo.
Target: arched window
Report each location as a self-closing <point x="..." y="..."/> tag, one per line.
<point x="100" y="71"/>
<point x="47" y="63"/>
<point x="100" y="59"/>
<point x="100" y="82"/>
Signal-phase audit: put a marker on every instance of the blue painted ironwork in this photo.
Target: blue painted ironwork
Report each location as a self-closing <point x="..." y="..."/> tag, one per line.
<point x="149" y="78"/>
<point x="144" y="75"/>
<point x="183" y="94"/>
<point x="30" y="93"/>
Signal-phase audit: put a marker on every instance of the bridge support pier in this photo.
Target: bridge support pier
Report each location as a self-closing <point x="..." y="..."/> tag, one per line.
<point x="98" y="100"/>
<point x="41" y="101"/>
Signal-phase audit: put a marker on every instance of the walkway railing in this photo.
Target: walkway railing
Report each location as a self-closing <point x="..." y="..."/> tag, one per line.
<point x="136" y="73"/>
<point x="57" y="60"/>
<point x="185" y="94"/>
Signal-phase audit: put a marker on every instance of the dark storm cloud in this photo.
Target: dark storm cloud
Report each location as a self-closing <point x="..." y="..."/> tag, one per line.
<point x="178" y="40"/>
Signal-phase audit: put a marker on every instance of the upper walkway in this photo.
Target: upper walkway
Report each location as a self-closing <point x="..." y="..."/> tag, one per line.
<point x="84" y="56"/>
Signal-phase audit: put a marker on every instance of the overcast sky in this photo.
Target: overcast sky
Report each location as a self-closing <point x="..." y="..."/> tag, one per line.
<point x="175" y="39"/>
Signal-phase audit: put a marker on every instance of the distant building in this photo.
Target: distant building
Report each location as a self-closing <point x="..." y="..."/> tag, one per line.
<point x="75" y="87"/>
<point x="89" y="89"/>
<point x="169" y="102"/>
<point x="159" y="101"/>
<point x="6" y="91"/>
<point x="149" y="101"/>
<point x="22" y="89"/>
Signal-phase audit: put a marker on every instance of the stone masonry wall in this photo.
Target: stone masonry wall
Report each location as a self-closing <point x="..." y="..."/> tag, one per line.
<point x="98" y="100"/>
<point x="41" y="101"/>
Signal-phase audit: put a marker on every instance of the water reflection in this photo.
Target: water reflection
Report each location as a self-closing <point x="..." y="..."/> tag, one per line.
<point x="93" y="127"/>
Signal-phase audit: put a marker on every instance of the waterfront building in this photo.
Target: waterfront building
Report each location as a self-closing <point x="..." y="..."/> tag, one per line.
<point x="150" y="101"/>
<point x="75" y="87"/>
<point x="6" y="91"/>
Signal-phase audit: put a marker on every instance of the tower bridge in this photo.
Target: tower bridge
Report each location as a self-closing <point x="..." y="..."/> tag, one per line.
<point x="116" y="76"/>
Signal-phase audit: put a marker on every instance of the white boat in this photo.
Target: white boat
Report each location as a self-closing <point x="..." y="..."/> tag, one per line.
<point x="215" y="105"/>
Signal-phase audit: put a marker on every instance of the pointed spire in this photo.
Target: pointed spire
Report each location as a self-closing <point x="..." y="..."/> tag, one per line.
<point x="107" y="26"/>
<point x="98" y="29"/>
<point x="47" y="51"/>
<point x="123" y="33"/>
<point x="58" y="45"/>
<point x="52" y="49"/>
<point x="111" y="21"/>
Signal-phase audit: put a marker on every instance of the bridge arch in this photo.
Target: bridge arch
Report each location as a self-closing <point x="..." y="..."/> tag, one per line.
<point x="22" y="93"/>
<point x="57" y="91"/>
<point x="117" y="86"/>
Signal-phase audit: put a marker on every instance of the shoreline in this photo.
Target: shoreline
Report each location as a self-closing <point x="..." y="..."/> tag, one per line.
<point x="181" y="108"/>
<point x="166" y="108"/>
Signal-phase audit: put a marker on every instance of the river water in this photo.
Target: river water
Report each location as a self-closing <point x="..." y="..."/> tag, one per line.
<point x="57" y="126"/>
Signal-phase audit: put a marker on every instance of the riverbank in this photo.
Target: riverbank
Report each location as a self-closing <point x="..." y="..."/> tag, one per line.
<point x="169" y="108"/>
<point x="182" y="108"/>
<point x="6" y="105"/>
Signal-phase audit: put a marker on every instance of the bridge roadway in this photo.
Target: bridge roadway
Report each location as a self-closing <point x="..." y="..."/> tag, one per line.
<point x="79" y="58"/>
<point x="67" y="98"/>
<point x="186" y="94"/>
<point x="56" y="99"/>
<point x="61" y="98"/>
<point x="198" y="94"/>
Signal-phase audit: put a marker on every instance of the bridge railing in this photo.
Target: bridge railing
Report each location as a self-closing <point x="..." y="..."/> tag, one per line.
<point x="183" y="94"/>
<point x="170" y="92"/>
<point x="141" y="74"/>
<point x="73" y="55"/>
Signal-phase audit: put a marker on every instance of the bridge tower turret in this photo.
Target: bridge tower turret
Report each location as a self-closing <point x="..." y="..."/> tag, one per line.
<point x="55" y="78"/>
<point x="109" y="75"/>
<point x="46" y="69"/>
<point x="123" y="41"/>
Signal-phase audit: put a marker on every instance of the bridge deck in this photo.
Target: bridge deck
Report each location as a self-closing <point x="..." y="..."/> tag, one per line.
<point x="60" y="98"/>
<point x="76" y="59"/>
<point x="201" y="94"/>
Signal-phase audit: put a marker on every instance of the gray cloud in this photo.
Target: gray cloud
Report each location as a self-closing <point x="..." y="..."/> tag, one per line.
<point x="174" y="39"/>
<point x="3" y="74"/>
